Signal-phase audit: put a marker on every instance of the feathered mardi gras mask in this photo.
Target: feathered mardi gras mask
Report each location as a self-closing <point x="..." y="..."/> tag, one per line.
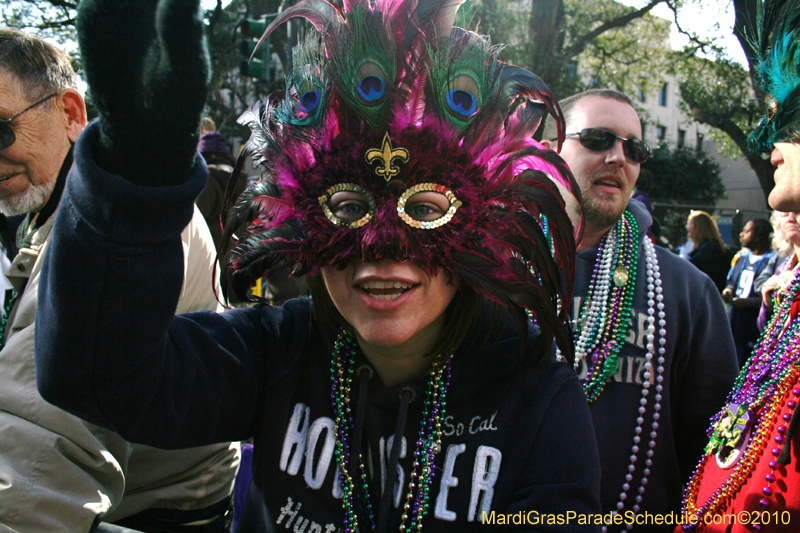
<point x="777" y="43"/>
<point x="401" y="137"/>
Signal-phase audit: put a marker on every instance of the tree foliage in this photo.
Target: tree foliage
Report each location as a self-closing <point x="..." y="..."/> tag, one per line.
<point x="682" y="175"/>
<point x="677" y="178"/>
<point x="720" y="94"/>
<point x="52" y="19"/>
<point x="229" y="93"/>
<point x="615" y="45"/>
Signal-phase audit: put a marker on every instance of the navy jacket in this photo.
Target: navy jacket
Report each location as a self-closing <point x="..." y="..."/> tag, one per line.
<point x="699" y="369"/>
<point x="516" y="439"/>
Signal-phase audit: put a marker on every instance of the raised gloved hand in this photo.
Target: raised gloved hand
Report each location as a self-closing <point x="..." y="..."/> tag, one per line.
<point x="148" y="72"/>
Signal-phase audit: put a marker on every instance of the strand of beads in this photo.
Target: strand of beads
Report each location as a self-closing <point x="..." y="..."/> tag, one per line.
<point x="592" y="315"/>
<point x="780" y="438"/>
<point x="4" y="321"/>
<point x="341" y="380"/>
<point x="609" y="308"/>
<point x="544" y="223"/>
<point x="428" y="445"/>
<point x="429" y="442"/>
<point x="761" y="386"/>
<point x="655" y="300"/>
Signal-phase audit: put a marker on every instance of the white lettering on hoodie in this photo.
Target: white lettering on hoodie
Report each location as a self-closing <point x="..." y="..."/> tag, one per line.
<point x="315" y="442"/>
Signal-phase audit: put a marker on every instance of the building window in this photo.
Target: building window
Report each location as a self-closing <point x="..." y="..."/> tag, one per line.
<point x="662" y="95"/>
<point x="662" y="133"/>
<point x="681" y="138"/>
<point x="642" y="96"/>
<point x="572" y="69"/>
<point x="699" y="145"/>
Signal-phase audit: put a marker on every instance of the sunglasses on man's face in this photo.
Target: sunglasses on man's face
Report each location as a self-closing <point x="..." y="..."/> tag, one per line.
<point x="597" y="140"/>
<point x="7" y="136"/>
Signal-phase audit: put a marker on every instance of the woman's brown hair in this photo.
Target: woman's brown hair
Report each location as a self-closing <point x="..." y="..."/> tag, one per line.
<point x="705" y="229"/>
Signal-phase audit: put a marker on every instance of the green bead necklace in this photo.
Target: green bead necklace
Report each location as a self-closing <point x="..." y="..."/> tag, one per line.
<point x="607" y="307"/>
<point x="4" y="321"/>
<point x="429" y="443"/>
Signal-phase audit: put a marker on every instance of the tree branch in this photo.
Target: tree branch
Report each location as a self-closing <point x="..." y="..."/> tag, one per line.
<point x="64" y="3"/>
<point x="582" y="42"/>
<point x="762" y="167"/>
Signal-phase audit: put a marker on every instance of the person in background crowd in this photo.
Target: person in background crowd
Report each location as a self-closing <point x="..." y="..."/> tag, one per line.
<point x="745" y="279"/>
<point x="57" y="472"/>
<point x="642" y="193"/>
<point x="751" y="465"/>
<point x="709" y="254"/>
<point x="653" y="345"/>
<point x="788" y="236"/>
<point x="780" y="245"/>
<point x="783" y="249"/>
<point x="412" y="390"/>
<point x="280" y="285"/>
<point x="214" y="149"/>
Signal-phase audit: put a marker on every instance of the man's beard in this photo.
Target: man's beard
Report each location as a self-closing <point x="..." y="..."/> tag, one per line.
<point x="32" y="200"/>
<point x="600" y="214"/>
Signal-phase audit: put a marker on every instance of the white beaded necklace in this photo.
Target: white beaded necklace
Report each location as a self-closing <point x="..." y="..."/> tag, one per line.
<point x="596" y="311"/>
<point x="655" y="301"/>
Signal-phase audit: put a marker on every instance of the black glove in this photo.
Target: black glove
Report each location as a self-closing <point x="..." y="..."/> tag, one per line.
<point x="148" y="72"/>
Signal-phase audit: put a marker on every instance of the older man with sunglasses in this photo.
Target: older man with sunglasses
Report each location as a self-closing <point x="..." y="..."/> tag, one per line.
<point x="57" y="472"/>
<point x="653" y="346"/>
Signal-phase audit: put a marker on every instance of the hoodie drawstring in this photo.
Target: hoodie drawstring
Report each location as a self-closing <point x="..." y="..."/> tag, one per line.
<point x="364" y="373"/>
<point x="406" y="396"/>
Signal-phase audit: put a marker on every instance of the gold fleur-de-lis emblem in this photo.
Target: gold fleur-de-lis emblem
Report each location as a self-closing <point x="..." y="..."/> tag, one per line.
<point x="387" y="155"/>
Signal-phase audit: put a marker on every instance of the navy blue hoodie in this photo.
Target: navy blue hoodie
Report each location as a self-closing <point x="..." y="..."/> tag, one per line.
<point x="699" y="369"/>
<point x="517" y="440"/>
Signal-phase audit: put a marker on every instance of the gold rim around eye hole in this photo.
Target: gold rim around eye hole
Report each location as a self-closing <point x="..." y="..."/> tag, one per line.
<point x="347" y="187"/>
<point x="427" y="187"/>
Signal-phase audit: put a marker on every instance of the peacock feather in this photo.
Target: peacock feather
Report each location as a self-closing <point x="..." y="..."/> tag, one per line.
<point x="461" y="76"/>
<point x="307" y="89"/>
<point x="363" y="65"/>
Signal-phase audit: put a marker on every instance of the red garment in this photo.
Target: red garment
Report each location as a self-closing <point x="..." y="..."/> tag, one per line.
<point x="784" y="503"/>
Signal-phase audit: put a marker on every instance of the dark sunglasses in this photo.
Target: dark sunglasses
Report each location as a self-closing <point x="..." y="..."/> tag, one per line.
<point x="7" y="136"/>
<point x="598" y="140"/>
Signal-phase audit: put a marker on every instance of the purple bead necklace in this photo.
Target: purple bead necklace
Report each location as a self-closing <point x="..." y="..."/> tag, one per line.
<point x="608" y="303"/>
<point x="429" y="443"/>
<point x="756" y="399"/>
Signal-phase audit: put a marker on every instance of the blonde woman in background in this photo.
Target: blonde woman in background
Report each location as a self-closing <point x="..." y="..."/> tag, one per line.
<point x="786" y="242"/>
<point x="710" y="254"/>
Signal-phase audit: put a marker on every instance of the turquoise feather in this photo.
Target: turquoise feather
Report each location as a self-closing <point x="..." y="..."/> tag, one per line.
<point x="777" y="42"/>
<point x="781" y="71"/>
